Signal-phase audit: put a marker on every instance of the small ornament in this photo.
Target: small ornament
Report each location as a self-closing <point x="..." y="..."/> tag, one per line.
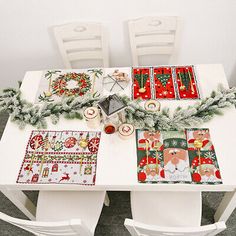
<point x="93" y="144"/>
<point x="83" y="143"/>
<point x="125" y="131"/>
<point x="152" y="105"/>
<point x="36" y="141"/>
<point x="142" y="90"/>
<point x="198" y="144"/>
<point x="70" y="142"/>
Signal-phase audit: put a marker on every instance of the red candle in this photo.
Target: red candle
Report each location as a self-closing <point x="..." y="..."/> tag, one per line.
<point x="109" y="129"/>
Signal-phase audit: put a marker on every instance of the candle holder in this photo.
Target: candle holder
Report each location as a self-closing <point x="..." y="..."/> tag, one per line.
<point x="92" y="117"/>
<point x="112" y="108"/>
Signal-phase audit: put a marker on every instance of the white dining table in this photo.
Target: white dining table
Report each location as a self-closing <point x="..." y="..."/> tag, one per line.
<point x="117" y="159"/>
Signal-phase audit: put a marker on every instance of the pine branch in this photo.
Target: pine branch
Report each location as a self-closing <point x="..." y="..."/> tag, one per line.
<point x="23" y="112"/>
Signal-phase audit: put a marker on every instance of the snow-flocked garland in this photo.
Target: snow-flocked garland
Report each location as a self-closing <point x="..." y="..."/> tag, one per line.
<point x="23" y="112"/>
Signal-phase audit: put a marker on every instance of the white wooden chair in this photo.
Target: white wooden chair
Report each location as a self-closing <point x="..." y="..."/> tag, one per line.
<point x="79" y="42"/>
<point x="154" y="35"/>
<point x="64" y="213"/>
<point x="139" y="229"/>
<point x="168" y="213"/>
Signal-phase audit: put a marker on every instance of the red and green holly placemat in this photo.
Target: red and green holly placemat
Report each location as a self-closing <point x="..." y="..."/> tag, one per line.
<point x="176" y="157"/>
<point x="60" y="157"/>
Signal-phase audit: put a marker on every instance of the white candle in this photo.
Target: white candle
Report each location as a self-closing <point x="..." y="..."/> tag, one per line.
<point x="92" y="117"/>
<point x="126" y="131"/>
<point x="152" y="105"/>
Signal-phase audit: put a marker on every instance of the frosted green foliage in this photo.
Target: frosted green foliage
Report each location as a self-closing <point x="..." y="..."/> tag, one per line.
<point x="23" y="112"/>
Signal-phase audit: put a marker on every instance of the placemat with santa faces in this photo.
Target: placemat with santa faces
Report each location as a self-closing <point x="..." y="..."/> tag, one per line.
<point x="172" y="82"/>
<point x="177" y="157"/>
<point x="60" y="157"/>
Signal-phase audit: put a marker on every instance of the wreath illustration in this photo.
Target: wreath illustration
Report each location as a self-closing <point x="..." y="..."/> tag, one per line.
<point x="60" y="85"/>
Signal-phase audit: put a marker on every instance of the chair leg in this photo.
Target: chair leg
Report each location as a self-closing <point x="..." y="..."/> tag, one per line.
<point x="21" y="201"/>
<point x="106" y="200"/>
<point x="226" y="207"/>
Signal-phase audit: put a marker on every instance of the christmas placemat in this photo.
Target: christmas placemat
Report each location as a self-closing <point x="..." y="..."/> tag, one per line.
<point x="176" y="157"/>
<point x="142" y="83"/>
<point x="60" y="157"/>
<point x="165" y="82"/>
<point x="186" y="82"/>
<point x="56" y="84"/>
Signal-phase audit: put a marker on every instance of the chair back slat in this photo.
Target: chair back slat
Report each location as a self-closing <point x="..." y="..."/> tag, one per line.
<point x="139" y="229"/>
<point x="84" y="55"/>
<point x="82" y="41"/>
<point x="153" y="35"/>
<point x="62" y="228"/>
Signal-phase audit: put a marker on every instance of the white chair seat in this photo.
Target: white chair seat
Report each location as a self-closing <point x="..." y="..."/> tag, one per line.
<point x="66" y="205"/>
<point x="172" y="209"/>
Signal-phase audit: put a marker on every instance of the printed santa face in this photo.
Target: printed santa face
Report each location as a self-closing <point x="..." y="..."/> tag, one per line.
<point x="175" y="159"/>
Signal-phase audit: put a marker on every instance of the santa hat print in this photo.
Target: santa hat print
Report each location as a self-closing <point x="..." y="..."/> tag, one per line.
<point x="174" y="139"/>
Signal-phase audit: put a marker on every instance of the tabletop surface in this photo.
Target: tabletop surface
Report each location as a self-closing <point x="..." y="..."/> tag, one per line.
<point x="117" y="160"/>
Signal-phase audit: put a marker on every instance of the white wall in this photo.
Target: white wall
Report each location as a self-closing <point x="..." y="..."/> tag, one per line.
<point x="26" y="42"/>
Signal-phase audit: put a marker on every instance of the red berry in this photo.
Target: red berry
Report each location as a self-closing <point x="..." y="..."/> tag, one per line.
<point x="141" y="176"/>
<point x="196" y="177"/>
<point x="217" y="174"/>
<point x="162" y="173"/>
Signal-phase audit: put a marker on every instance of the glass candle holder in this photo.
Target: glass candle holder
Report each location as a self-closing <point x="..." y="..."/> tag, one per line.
<point x="111" y="124"/>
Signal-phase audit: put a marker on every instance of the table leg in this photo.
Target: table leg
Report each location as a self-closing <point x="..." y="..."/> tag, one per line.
<point x="21" y="201"/>
<point x="107" y="200"/>
<point x="226" y="207"/>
